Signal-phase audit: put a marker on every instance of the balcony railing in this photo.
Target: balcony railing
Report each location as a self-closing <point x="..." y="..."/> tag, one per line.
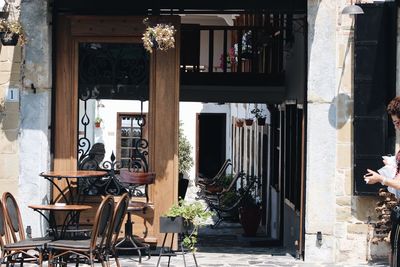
<point x="247" y="49"/>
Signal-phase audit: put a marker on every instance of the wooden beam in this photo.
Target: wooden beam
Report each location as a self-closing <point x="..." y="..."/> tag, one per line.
<point x="163" y="126"/>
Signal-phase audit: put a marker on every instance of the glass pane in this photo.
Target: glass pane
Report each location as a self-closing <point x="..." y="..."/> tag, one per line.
<point x="126" y="142"/>
<point x="124" y="153"/>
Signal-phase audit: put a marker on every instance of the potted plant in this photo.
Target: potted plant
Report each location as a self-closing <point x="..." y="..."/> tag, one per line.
<point x="259" y="115"/>
<point x="249" y="212"/>
<point x="248" y="122"/>
<point x="239" y="123"/>
<point x="11" y="32"/>
<point x="185" y="161"/>
<point x="98" y="121"/>
<point x="186" y="218"/>
<point x="159" y="37"/>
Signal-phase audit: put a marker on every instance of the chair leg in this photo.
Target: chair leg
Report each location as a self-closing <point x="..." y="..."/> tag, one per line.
<point x="115" y="253"/>
<point x="51" y="264"/>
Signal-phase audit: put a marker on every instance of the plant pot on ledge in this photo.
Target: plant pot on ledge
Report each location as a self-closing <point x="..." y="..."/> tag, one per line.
<point x="239" y="123"/>
<point x="248" y="122"/>
<point x="261" y="121"/>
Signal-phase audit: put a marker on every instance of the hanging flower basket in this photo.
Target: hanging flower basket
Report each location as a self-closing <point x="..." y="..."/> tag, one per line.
<point x="9" y="39"/>
<point x="159" y="37"/>
<point x="11" y="33"/>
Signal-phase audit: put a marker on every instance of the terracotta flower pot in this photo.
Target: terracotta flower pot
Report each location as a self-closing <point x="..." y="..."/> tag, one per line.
<point x="248" y="122"/>
<point x="239" y="123"/>
<point x="97" y="124"/>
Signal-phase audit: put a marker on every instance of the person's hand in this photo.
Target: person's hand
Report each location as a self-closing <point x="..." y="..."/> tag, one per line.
<point x="372" y="177"/>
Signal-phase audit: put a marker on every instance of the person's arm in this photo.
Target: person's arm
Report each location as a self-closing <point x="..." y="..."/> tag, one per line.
<point x="373" y="177"/>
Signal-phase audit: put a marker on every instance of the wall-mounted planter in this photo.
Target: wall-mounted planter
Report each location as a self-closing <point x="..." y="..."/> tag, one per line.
<point x="248" y="122"/>
<point x="9" y="39"/>
<point x="261" y="121"/>
<point x="239" y="123"/>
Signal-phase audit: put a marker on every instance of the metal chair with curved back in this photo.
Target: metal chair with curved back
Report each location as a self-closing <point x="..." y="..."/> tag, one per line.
<point x="221" y="208"/>
<point x="118" y="217"/>
<point x="135" y="178"/>
<point x="90" y="249"/>
<point x="17" y="248"/>
<point x="203" y="181"/>
<point x="3" y="232"/>
<point x="216" y="191"/>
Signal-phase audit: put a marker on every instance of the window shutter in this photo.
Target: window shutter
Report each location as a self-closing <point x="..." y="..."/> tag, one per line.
<point x="374" y="87"/>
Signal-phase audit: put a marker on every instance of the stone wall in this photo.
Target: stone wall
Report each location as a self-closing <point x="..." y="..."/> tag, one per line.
<point x="35" y="109"/>
<point x="331" y="207"/>
<point x="25" y="119"/>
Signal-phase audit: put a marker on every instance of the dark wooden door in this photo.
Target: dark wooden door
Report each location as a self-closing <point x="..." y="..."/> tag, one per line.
<point x="374" y="87"/>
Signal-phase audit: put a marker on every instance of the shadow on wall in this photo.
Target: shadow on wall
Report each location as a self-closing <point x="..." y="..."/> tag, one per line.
<point x="340" y="110"/>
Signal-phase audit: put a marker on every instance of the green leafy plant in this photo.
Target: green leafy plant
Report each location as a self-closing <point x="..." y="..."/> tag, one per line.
<point x="193" y="214"/>
<point x="98" y="120"/>
<point x="258" y="113"/>
<point x="184" y="152"/>
<point x="248" y="196"/>
<point x="225" y="180"/>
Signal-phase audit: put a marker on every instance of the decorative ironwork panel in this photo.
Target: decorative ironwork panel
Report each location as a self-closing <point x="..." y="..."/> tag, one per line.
<point x="113" y="71"/>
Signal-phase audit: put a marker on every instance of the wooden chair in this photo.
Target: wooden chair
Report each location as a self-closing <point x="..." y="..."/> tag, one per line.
<point x="202" y="181"/>
<point x="89" y="249"/>
<point x="15" y="247"/>
<point x="118" y="217"/>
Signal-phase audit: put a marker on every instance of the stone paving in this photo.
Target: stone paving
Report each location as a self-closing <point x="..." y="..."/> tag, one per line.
<point x="225" y="257"/>
<point x="226" y="247"/>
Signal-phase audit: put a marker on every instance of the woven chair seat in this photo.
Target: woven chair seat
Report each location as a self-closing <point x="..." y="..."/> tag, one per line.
<point x="28" y="243"/>
<point x="75" y="244"/>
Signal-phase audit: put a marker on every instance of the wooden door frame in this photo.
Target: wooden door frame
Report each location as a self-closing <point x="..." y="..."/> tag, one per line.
<point x="163" y="99"/>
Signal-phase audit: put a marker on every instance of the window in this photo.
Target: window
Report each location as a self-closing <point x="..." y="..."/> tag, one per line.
<point x="129" y="137"/>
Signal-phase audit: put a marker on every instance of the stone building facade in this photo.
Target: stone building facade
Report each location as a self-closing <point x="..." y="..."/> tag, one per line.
<point x="345" y="220"/>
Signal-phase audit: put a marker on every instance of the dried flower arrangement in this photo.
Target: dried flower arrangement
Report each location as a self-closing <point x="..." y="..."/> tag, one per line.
<point x="160" y="37"/>
<point x="12" y="30"/>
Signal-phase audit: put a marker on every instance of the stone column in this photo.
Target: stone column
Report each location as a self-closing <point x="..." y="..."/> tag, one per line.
<point x="321" y="131"/>
<point x="35" y="111"/>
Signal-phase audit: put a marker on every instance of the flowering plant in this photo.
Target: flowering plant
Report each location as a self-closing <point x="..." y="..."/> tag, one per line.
<point x="231" y="58"/>
<point x="98" y="120"/>
<point x="11" y="29"/>
<point x="160" y="36"/>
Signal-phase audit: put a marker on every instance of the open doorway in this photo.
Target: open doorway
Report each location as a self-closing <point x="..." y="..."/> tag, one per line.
<point x="211" y="146"/>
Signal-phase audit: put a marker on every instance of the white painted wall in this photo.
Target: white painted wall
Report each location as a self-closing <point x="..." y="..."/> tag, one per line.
<point x="188" y="116"/>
